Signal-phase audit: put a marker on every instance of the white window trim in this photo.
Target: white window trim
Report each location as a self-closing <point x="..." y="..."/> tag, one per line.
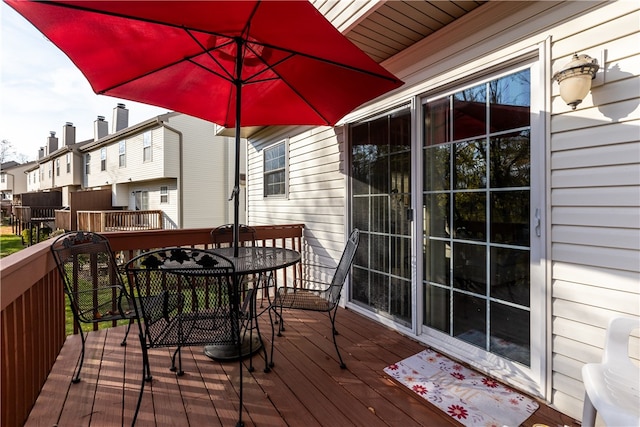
<point x="286" y="170"/>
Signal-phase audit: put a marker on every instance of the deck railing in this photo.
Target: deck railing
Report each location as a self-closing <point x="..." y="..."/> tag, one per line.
<point x="33" y="306"/>
<point x="103" y="221"/>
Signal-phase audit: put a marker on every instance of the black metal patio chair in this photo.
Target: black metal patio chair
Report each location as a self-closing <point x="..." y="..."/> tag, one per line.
<point x="314" y="295"/>
<point x="184" y="297"/>
<point x="222" y="236"/>
<point x="92" y="283"/>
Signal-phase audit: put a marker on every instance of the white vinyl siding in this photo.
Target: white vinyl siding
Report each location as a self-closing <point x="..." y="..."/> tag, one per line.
<point x="316" y="191"/>
<point x="595" y="197"/>
<point x="207" y="172"/>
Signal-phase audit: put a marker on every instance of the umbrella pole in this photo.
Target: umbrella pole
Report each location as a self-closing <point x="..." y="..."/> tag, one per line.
<point x="236" y="203"/>
<point x="236" y="187"/>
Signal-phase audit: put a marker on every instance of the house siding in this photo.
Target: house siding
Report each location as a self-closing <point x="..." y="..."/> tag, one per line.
<point x="594" y="197"/>
<point x="316" y="188"/>
<point x="207" y="171"/>
<point x="591" y="174"/>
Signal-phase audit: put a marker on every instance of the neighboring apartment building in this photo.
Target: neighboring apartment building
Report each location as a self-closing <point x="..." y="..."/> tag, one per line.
<point x="59" y="165"/>
<point x="13" y="179"/>
<point x="173" y="162"/>
<point x="499" y="226"/>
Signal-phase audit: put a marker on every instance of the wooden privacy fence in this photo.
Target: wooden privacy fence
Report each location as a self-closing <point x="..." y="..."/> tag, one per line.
<point x="101" y="221"/>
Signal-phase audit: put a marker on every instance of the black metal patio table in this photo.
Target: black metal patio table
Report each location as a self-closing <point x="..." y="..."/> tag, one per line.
<point x="259" y="261"/>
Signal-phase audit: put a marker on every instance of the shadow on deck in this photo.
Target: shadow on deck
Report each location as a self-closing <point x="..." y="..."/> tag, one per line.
<point x="305" y="388"/>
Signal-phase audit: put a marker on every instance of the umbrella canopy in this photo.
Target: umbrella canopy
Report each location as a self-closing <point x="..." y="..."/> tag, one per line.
<point x="234" y="63"/>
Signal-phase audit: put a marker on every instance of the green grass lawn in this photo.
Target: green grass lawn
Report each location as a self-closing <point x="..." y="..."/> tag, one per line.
<point x="9" y="244"/>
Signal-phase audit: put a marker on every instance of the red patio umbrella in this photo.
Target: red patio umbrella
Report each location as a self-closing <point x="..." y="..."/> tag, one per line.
<point x="234" y="63"/>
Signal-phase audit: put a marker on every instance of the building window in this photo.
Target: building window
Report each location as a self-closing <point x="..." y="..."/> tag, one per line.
<point x="68" y="162"/>
<point x="50" y="169"/>
<point x="57" y="167"/>
<point x="87" y="164"/>
<point x="103" y="159"/>
<point x="275" y="170"/>
<point x="122" y="151"/>
<point x="141" y="200"/>
<point x="164" y="194"/>
<point x="3" y="178"/>
<point x="146" y="147"/>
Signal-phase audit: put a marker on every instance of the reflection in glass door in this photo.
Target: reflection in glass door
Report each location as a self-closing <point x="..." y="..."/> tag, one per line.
<point x="381" y="209"/>
<point x="476" y="204"/>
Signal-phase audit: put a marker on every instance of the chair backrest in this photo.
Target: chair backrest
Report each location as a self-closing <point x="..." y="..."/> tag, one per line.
<point x="344" y="266"/>
<point x="90" y="274"/>
<point x="185" y="296"/>
<point x="222" y="236"/>
<point x="616" y="347"/>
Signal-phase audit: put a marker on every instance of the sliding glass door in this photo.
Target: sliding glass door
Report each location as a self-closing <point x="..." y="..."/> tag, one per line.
<point x="476" y="215"/>
<point x="381" y="209"/>
<point x="449" y="196"/>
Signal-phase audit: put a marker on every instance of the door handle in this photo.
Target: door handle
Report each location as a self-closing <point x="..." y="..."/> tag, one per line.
<point x="537" y="222"/>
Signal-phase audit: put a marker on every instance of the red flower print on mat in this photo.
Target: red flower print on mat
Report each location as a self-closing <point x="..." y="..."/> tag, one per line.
<point x="458" y="376"/>
<point x="457" y="411"/>
<point x="393" y="367"/>
<point x="457" y="367"/>
<point x="490" y="383"/>
<point x="514" y="401"/>
<point x="420" y="389"/>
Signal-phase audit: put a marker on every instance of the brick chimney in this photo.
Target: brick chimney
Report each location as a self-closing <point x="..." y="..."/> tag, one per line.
<point x="41" y="152"/>
<point x="100" y="128"/>
<point x="120" y="118"/>
<point x="68" y="134"/>
<point x="52" y="143"/>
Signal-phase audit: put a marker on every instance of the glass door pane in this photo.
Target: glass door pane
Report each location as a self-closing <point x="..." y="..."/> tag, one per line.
<point x="381" y="202"/>
<point x="476" y="204"/>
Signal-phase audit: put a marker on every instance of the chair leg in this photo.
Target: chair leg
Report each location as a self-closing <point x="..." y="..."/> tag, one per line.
<point x="279" y="320"/>
<point x="588" y="413"/>
<point x="76" y="377"/>
<point x="145" y="375"/>
<point x="334" y="333"/>
<point x="126" y="334"/>
<point x="173" y="368"/>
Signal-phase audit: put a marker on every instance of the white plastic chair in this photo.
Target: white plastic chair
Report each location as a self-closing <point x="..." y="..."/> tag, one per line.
<point x="612" y="387"/>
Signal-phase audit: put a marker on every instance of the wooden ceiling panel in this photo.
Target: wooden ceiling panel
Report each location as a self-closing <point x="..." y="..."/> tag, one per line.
<point x="382" y="29"/>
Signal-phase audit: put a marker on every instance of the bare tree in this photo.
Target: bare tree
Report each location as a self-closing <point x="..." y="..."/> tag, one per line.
<point x="6" y="150"/>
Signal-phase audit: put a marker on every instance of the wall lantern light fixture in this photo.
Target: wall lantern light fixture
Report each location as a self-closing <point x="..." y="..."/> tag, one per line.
<point x="575" y="78"/>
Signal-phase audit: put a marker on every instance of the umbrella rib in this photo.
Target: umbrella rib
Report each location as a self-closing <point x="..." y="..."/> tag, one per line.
<point x="328" y="61"/>
<point x="222" y="76"/>
<point x="229" y="76"/>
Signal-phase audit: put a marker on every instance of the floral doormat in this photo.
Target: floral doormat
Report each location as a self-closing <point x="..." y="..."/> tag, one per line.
<point x="466" y="395"/>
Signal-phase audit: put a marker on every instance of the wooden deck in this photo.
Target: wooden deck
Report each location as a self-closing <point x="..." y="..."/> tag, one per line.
<point x="305" y="388"/>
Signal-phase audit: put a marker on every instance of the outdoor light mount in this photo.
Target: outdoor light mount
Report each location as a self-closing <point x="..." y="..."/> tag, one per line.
<point x="575" y="78"/>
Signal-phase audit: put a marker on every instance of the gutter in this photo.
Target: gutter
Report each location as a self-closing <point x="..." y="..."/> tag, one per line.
<point x="161" y="123"/>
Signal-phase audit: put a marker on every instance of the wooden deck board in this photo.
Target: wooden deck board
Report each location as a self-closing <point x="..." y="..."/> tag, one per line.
<point x="306" y="387"/>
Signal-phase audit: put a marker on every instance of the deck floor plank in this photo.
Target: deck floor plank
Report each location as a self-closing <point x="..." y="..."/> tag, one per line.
<point x="108" y="400"/>
<point x="82" y="395"/>
<point x="306" y="387"/>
